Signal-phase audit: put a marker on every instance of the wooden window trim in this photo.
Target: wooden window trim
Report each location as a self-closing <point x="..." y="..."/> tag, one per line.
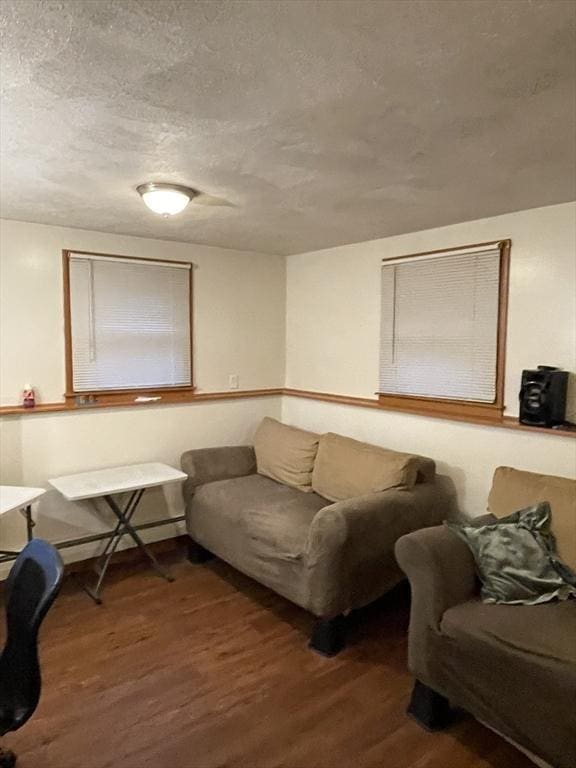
<point x="489" y="412"/>
<point x="120" y="396"/>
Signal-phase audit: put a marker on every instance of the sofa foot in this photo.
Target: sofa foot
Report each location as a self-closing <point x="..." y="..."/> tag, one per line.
<point x="197" y="554"/>
<point x="7" y="759"/>
<point x="431" y="710"/>
<point x="329" y="636"/>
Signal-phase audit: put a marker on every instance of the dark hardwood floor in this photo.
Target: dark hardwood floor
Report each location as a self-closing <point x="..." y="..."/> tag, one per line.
<point x="213" y="671"/>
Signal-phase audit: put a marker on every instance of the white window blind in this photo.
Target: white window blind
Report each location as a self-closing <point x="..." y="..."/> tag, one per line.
<point x="439" y="333"/>
<point x="130" y="323"/>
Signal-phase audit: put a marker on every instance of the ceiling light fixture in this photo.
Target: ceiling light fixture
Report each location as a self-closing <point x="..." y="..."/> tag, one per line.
<point x="166" y="199"/>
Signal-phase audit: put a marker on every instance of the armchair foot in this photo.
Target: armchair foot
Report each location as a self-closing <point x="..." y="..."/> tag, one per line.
<point x="196" y="554"/>
<point x="329" y="636"/>
<point x="431" y="710"/>
<point x="7" y="758"/>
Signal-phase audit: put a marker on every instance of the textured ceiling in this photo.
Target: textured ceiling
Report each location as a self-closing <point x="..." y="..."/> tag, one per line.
<point x="321" y="122"/>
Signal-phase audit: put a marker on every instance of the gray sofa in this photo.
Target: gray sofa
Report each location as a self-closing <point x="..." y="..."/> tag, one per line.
<point x="511" y="666"/>
<point x="327" y="557"/>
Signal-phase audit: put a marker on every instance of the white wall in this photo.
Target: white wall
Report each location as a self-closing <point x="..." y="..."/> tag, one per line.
<point x="239" y="313"/>
<point x="35" y="448"/>
<point x="332" y="342"/>
<point x="238" y="308"/>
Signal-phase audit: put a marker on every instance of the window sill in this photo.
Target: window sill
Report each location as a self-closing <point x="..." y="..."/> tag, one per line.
<point x="503" y="422"/>
<point x="105" y="398"/>
<point x="128" y="401"/>
<point x="448" y="409"/>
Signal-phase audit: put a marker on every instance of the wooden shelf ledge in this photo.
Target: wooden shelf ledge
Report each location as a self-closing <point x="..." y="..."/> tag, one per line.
<point x="505" y="422"/>
<point x="124" y="402"/>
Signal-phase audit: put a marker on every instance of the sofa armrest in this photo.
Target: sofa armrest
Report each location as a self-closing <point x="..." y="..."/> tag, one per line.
<point x="441" y="571"/>
<point x="206" y="465"/>
<point x="350" y="547"/>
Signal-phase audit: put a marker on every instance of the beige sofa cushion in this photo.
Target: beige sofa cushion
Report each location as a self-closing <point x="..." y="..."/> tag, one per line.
<point x="285" y="453"/>
<point x="513" y="489"/>
<point x="345" y="468"/>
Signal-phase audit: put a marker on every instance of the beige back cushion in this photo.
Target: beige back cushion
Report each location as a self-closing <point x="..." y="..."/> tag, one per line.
<point x="346" y="468"/>
<point x="285" y="454"/>
<point x="513" y="490"/>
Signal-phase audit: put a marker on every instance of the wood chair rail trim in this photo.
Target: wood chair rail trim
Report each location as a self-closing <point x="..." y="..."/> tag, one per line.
<point x="506" y="422"/>
<point x="127" y="400"/>
<point x="194" y="397"/>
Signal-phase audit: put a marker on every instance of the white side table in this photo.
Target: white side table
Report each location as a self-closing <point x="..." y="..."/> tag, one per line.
<point x="104" y="484"/>
<point x="19" y="497"/>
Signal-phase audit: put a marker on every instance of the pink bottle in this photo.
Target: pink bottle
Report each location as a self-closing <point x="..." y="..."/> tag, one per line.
<point x="28" y="397"/>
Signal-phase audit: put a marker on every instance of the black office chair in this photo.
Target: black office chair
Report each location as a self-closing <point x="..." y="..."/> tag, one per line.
<point x="31" y="588"/>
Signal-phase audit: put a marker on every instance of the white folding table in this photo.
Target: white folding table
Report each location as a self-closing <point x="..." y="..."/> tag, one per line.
<point x="105" y="484"/>
<point x="17" y="497"/>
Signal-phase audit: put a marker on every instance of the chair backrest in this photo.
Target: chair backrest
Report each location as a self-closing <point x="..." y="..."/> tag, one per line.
<point x="31" y="588"/>
<point x="514" y="489"/>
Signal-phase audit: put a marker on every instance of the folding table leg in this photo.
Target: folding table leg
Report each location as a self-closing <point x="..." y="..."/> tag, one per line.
<point x="105" y="557"/>
<point x="122" y="527"/>
<point x="114" y="540"/>
<point x="30" y="524"/>
<point x="129" y="528"/>
<point x="11" y="554"/>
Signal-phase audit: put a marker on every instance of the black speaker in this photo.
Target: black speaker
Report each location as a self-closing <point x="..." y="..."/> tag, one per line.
<point x="543" y="396"/>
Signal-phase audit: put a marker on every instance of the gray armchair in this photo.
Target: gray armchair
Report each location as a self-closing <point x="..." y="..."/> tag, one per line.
<point x="511" y="666"/>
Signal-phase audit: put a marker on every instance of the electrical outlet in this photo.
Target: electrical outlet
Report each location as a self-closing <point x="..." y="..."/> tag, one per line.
<point x="233" y="381"/>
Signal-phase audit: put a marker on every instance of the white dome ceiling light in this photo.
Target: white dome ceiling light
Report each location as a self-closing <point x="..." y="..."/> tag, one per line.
<point x="166" y="199"/>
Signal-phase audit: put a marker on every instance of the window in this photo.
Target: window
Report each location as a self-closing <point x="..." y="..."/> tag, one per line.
<point x="443" y="327"/>
<point x="128" y="324"/>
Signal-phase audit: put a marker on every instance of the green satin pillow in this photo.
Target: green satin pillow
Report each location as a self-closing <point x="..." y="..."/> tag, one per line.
<point x="516" y="558"/>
